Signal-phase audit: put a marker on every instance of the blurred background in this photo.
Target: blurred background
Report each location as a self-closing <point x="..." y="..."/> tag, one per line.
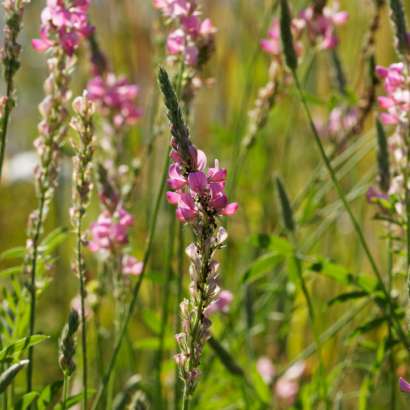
<point x="129" y="32"/>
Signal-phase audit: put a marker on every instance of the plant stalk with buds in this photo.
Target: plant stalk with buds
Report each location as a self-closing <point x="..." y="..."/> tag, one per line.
<point x="81" y="195"/>
<point x="9" y="55"/>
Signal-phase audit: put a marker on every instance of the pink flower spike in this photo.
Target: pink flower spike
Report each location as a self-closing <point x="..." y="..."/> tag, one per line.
<point x="160" y="4"/>
<point x="274" y="32"/>
<point x="62" y="18"/>
<point x="286" y="389"/>
<point x="218" y="197"/>
<point x="381" y="71"/>
<point x="93" y="247"/>
<point x="270" y="46"/>
<point x="404" y="386"/>
<point x="229" y="210"/>
<point x="177" y="181"/>
<point x="191" y="55"/>
<point x="201" y="160"/>
<point x="126" y="218"/>
<point x="197" y="182"/>
<point x="388" y="119"/>
<point x="206" y="27"/>
<point x="219" y="176"/>
<point x="40" y="45"/>
<point x="175" y="42"/>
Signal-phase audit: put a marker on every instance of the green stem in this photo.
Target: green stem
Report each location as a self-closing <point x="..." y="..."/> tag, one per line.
<point x="322" y="369"/>
<point x="349" y="211"/>
<point x="82" y="292"/>
<point x="179" y="297"/>
<point x="65" y="388"/>
<point x="185" y="404"/>
<point x="137" y="286"/>
<point x="164" y="315"/>
<point x="33" y="292"/>
<point x="392" y="365"/>
<point x="5" y="124"/>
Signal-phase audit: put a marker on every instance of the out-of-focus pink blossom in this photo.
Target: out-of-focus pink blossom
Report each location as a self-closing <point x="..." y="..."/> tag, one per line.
<point x="221" y="305"/>
<point x="76" y="305"/>
<point x="373" y="196"/>
<point x="266" y="369"/>
<point x="131" y="266"/>
<point x="108" y="234"/>
<point x="404" y="386"/>
<point x="287" y="387"/>
<point x="115" y="98"/>
<point x="64" y="25"/>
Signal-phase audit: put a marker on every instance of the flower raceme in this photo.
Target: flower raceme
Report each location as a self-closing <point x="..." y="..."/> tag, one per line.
<point x="63" y="24"/>
<point x="116" y="98"/>
<point x="193" y="38"/>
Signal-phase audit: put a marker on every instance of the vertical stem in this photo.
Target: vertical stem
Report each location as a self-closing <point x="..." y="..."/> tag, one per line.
<point x="5" y="123"/>
<point x="316" y="334"/>
<point x="179" y="297"/>
<point x="65" y="388"/>
<point x="33" y="292"/>
<point x="164" y="315"/>
<point x="390" y="273"/>
<point x="349" y="211"/>
<point x="185" y="404"/>
<point x="82" y="290"/>
<point x="137" y="286"/>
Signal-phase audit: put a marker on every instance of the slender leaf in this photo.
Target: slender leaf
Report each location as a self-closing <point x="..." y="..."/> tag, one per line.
<point x="21" y="345"/>
<point x="18" y="252"/>
<point x="48" y="394"/>
<point x="73" y="400"/>
<point x="25" y="401"/>
<point x="7" y="377"/>
<point x="271" y="243"/>
<point x="332" y="270"/>
<point x="262" y="265"/>
<point x="367" y="327"/>
<point x="344" y="297"/>
<point x="10" y="271"/>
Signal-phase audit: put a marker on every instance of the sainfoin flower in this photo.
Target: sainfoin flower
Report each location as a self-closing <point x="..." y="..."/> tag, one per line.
<point x="131" y="266"/>
<point x="221" y="305"/>
<point x="266" y="369"/>
<point x="63" y="23"/>
<point x="404" y="386"/>
<point x="116" y="98"/>
<point x="108" y="233"/>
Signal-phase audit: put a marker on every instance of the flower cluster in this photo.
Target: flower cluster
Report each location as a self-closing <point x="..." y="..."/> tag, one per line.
<point x="109" y="234"/>
<point x="67" y="343"/>
<point x="397" y="104"/>
<point x="286" y="387"/>
<point x="194" y="40"/>
<point x="318" y="24"/>
<point x="63" y="24"/>
<point x="200" y="207"/>
<point x="115" y="97"/>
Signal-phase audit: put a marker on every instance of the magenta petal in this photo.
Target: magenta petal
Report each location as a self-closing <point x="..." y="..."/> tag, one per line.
<point x="179" y="216"/>
<point x="388" y="119"/>
<point x="93" y="247"/>
<point x="197" y="182"/>
<point x="219" y="176"/>
<point x="186" y="201"/>
<point x="201" y="160"/>
<point x="341" y="17"/>
<point x="220" y="202"/>
<point x="175" y="172"/>
<point x="176" y="183"/>
<point x="173" y="198"/>
<point x="229" y="210"/>
<point x="404" y="386"/>
<point x="381" y="71"/>
<point x="188" y="214"/>
<point x="40" y="45"/>
<point x="386" y="102"/>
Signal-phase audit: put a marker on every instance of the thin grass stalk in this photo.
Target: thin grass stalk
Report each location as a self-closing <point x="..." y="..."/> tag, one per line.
<point x="390" y="285"/>
<point x="322" y="369"/>
<point x="65" y="388"/>
<point x="129" y="312"/>
<point x="5" y="124"/>
<point x="165" y="300"/>
<point x="349" y="211"/>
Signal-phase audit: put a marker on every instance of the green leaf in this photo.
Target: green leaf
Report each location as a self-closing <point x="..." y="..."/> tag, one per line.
<point x="25" y="401"/>
<point x="262" y="265"/>
<point x="53" y="239"/>
<point x="293" y="270"/>
<point x="367" y="283"/>
<point x="152" y="320"/>
<point x="21" y="345"/>
<point x="271" y="243"/>
<point x="344" y="297"/>
<point x="10" y="271"/>
<point x="7" y="377"/>
<point x="261" y="388"/>
<point x="48" y="394"/>
<point x="18" y="252"/>
<point x="367" y="327"/>
<point x="152" y="343"/>
<point x="73" y="400"/>
<point x="332" y="270"/>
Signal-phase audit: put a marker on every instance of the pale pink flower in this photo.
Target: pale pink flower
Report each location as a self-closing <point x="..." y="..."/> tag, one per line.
<point x="266" y="369"/>
<point x="221" y="305"/>
<point x="131" y="266"/>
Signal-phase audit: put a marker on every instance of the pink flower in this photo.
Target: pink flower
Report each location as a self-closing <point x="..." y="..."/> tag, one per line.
<point x="287" y="389"/>
<point x="177" y="181"/>
<point x="69" y="25"/>
<point x="266" y="369"/>
<point x="215" y="174"/>
<point x="76" y="305"/>
<point x="218" y="196"/>
<point x="186" y="208"/>
<point x="404" y="386"/>
<point x="197" y="182"/>
<point x="176" y="42"/>
<point x="191" y="54"/>
<point x="221" y="305"/>
<point x="115" y="98"/>
<point x="373" y="196"/>
<point x="130" y="265"/>
<point x="229" y="210"/>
